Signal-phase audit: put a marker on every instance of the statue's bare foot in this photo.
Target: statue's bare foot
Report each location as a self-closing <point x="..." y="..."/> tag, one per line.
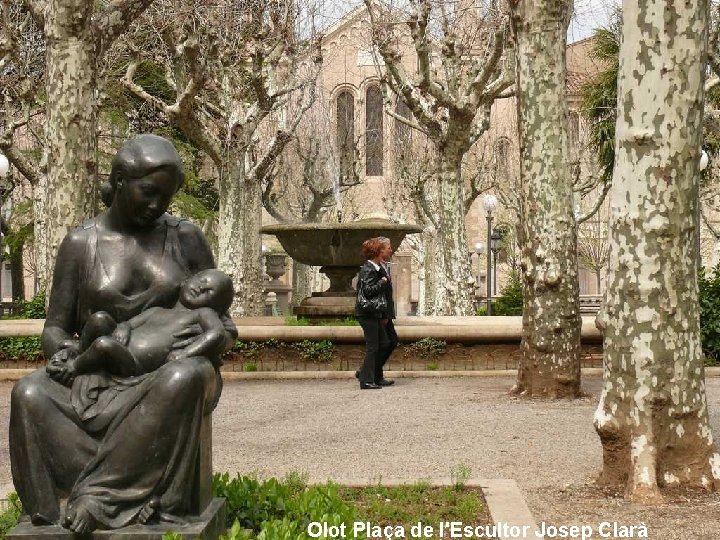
<point x="151" y="511"/>
<point x="39" y="519"/>
<point x="148" y="511"/>
<point x="78" y="517"/>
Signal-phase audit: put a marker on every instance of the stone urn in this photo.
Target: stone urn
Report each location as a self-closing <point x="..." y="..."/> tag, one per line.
<point x="275" y="266"/>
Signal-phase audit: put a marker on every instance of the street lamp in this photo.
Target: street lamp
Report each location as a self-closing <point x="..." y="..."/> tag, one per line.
<point x="479" y="250"/>
<point x="489" y="203"/>
<point x="495" y="238"/>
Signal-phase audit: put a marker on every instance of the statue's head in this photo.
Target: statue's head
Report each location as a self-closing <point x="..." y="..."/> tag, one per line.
<point x="208" y="288"/>
<point x="146" y="173"/>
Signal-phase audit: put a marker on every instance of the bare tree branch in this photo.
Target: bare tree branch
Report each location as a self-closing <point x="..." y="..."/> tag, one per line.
<point x="598" y="203"/>
<point x="115" y="20"/>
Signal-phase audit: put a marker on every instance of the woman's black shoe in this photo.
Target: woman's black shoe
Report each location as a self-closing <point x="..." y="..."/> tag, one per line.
<point x="386" y="382"/>
<point x="369" y="386"/>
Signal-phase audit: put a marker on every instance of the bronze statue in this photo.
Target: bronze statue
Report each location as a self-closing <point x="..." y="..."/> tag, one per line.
<point x="112" y="427"/>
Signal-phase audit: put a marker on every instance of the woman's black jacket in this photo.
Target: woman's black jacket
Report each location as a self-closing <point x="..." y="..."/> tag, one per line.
<point x="369" y="279"/>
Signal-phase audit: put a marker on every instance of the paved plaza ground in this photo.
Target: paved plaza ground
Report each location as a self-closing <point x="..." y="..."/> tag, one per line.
<point x="420" y="429"/>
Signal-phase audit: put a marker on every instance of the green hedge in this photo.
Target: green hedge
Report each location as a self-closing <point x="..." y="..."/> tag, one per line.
<point x="709" y="297"/>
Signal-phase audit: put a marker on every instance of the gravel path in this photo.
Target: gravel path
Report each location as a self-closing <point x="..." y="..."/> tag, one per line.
<point x="422" y="429"/>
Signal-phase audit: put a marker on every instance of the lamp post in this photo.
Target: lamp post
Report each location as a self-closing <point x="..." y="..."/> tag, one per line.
<point x="489" y="202"/>
<point x="495" y="238"/>
<point x="479" y="250"/>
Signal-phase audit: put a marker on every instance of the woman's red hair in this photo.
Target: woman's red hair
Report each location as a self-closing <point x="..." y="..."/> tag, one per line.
<point x="371" y="248"/>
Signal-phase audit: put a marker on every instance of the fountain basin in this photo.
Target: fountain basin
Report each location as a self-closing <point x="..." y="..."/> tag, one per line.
<point x="336" y="248"/>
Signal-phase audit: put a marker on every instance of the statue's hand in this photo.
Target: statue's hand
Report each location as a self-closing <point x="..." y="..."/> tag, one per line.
<point x="187" y="336"/>
<point x="61" y="368"/>
<point x="122" y="334"/>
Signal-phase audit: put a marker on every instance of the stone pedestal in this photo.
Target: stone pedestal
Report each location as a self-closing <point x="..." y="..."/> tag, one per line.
<point x="207" y="526"/>
<point x="327" y="306"/>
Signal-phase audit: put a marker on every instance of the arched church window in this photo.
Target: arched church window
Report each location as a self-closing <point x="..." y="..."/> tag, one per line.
<point x="346" y="132"/>
<point x="373" y="131"/>
<point x="403" y="132"/>
<point x="502" y="153"/>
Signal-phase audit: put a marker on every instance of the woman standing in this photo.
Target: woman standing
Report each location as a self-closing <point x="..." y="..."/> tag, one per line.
<point x="375" y="310"/>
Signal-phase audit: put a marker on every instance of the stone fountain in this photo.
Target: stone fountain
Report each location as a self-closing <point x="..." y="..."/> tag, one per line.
<point x="335" y="247"/>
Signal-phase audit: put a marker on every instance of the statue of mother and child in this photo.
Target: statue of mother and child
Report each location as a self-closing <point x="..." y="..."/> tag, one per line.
<point x="108" y="434"/>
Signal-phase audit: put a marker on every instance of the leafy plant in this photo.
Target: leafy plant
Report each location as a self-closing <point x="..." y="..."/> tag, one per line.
<point x="250" y="501"/>
<point x="296" y="481"/>
<point x="249" y="349"/>
<point x="10" y="517"/>
<point x="250" y="366"/>
<point x="459" y="475"/>
<point x="316" y="351"/>
<point x="279" y="510"/>
<point x="432" y="366"/>
<point x="510" y="301"/>
<point x="28" y="348"/>
<point x="426" y="348"/>
<point x="34" y="308"/>
<point x="709" y="299"/>
<point x="599" y="95"/>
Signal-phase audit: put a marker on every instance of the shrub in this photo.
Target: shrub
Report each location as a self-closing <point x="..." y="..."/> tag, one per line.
<point x="250" y="501"/>
<point x="709" y="299"/>
<point x="27" y="348"/>
<point x="510" y="301"/>
<point x="279" y="510"/>
<point x="34" y="308"/>
<point x="10" y="517"/>
<point x="317" y="351"/>
<point x="249" y="349"/>
<point x="426" y="348"/>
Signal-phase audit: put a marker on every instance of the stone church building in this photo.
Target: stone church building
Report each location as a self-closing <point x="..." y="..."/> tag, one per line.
<point x="351" y="101"/>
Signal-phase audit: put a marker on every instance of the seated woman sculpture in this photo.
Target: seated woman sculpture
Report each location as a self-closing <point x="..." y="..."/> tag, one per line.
<point x="132" y="455"/>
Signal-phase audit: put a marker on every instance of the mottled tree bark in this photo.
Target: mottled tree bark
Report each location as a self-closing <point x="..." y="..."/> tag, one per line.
<point x="454" y="274"/>
<point x="550" y="363"/>
<point x="302" y="278"/>
<point x="71" y="120"/>
<point x="433" y="270"/>
<point x="652" y="418"/>
<point x="77" y="36"/>
<point x="239" y="244"/>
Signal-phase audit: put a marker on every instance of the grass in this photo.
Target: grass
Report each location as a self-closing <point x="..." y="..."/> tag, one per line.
<point x="408" y="505"/>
